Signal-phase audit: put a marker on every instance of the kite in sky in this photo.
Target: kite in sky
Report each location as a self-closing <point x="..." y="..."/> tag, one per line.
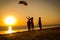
<point x="23" y="2"/>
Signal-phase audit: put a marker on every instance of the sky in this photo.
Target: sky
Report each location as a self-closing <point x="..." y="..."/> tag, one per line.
<point x="48" y="10"/>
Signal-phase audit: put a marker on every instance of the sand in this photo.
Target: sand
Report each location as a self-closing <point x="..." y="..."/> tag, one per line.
<point x="45" y="34"/>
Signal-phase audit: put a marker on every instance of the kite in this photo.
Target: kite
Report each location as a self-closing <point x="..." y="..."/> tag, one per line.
<point x="23" y="2"/>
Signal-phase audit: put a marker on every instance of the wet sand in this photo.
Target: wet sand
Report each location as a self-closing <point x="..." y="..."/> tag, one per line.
<point x="45" y="34"/>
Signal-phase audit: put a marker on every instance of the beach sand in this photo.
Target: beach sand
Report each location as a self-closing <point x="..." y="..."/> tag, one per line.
<point x="44" y="34"/>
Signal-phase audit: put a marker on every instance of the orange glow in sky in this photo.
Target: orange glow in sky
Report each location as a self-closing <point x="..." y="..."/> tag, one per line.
<point x="47" y="10"/>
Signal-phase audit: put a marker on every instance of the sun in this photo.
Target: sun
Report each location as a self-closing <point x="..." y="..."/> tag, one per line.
<point x="10" y="20"/>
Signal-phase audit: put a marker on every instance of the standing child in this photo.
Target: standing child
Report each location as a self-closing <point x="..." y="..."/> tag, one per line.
<point x="40" y="24"/>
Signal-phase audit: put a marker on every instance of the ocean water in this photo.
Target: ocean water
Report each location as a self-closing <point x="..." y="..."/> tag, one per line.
<point x="26" y="29"/>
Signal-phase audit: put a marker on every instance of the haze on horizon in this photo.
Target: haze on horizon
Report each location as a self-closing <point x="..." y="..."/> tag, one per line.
<point x="46" y="9"/>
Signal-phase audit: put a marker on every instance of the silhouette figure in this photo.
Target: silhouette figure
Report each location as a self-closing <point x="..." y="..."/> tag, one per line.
<point x="28" y="23"/>
<point x="32" y="23"/>
<point x="40" y="25"/>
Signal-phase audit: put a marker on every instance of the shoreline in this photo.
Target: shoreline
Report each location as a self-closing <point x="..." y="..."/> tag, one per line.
<point x="44" y="34"/>
<point x="23" y="30"/>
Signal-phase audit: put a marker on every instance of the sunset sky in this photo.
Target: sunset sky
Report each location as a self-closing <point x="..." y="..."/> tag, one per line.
<point x="47" y="10"/>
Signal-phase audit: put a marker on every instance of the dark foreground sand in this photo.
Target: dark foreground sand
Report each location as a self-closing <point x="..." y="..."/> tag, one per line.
<point x="45" y="34"/>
